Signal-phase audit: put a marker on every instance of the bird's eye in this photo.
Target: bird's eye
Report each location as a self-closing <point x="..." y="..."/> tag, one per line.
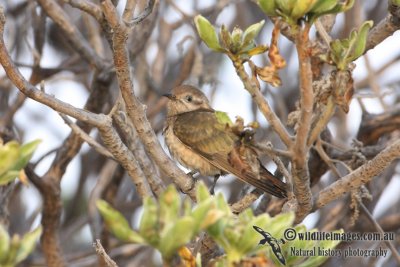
<point x="189" y="98"/>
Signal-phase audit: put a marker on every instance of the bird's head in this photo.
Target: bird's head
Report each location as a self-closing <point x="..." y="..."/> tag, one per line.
<point x="186" y="98"/>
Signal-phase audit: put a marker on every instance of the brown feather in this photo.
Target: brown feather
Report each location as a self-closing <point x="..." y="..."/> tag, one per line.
<point x="203" y="133"/>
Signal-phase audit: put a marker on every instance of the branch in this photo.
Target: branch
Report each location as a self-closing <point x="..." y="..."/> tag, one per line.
<point x="301" y="178"/>
<point x="380" y="230"/>
<point x="262" y="104"/>
<point x="133" y="142"/>
<point x="103" y="254"/>
<point x="32" y="92"/>
<point x="50" y="184"/>
<point x="358" y="177"/>
<point x="135" y="109"/>
<point x="373" y="126"/>
<point x="139" y="18"/>
<point x="385" y="27"/>
<point x="87" y="138"/>
<point x="87" y="7"/>
<point x="246" y="201"/>
<point x="73" y="35"/>
<point x="103" y="182"/>
<point x="124" y="156"/>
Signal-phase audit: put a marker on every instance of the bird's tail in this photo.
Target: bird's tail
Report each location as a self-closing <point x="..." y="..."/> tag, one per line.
<point x="274" y="183"/>
<point x="246" y="166"/>
<point x="268" y="183"/>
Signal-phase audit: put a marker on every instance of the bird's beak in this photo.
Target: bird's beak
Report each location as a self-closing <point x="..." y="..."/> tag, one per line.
<point x="170" y="96"/>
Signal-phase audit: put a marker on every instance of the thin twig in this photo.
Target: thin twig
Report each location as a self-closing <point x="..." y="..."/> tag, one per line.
<point x="139" y="18"/>
<point x="385" y="28"/>
<point x="358" y="177"/>
<point x="87" y="7"/>
<point x="321" y="30"/>
<point x="133" y="142"/>
<point x="102" y="182"/>
<point x="246" y="201"/>
<point x="325" y="158"/>
<point x="103" y="254"/>
<point x="124" y="156"/>
<point x="373" y="82"/>
<point x="392" y="248"/>
<point x="58" y="15"/>
<point x="129" y="10"/>
<point x="323" y="121"/>
<point x="262" y="103"/>
<point x="87" y="138"/>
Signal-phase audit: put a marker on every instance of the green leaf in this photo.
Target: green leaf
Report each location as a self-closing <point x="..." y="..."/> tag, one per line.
<point x="149" y="224"/>
<point x="278" y="224"/>
<point x="212" y="217"/>
<point x="251" y="32"/>
<point x="250" y="238"/>
<point x="170" y="205"/>
<point x="257" y="50"/>
<point x="187" y="206"/>
<point x="286" y="6"/>
<point x="117" y="223"/>
<point x="232" y="233"/>
<point x="207" y="33"/>
<point x="13" y="158"/>
<point x="301" y="8"/>
<point x="323" y="6"/>
<point x="268" y="7"/>
<point x="26" y="151"/>
<point x="361" y="41"/>
<point x="343" y="6"/>
<point x="9" y="154"/>
<point x="222" y="204"/>
<point x="225" y="37"/>
<point x="237" y="34"/>
<point x="176" y="236"/>
<point x="28" y="244"/>
<point x="395" y="2"/>
<point x="4" y="244"/>
<point x="200" y="212"/>
<point x="12" y="252"/>
<point x="7" y="177"/>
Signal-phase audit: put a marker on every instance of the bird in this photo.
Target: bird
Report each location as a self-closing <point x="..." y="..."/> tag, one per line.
<point x="202" y="143"/>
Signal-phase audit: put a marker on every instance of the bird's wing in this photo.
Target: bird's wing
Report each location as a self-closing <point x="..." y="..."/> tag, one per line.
<point x="216" y="143"/>
<point x="202" y="132"/>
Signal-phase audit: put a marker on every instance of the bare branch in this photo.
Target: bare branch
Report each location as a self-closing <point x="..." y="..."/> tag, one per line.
<point x="87" y="138"/>
<point x="124" y="156"/>
<point x="147" y="11"/>
<point x="358" y="177"/>
<point x="385" y="27"/>
<point x="58" y="15"/>
<point x="301" y="179"/>
<point x="103" y="254"/>
<point x="392" y="248"/>
<point x="135" y="109"/>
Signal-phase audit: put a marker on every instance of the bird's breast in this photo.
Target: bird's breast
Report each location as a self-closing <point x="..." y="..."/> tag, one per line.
<point x="186" y="156"/>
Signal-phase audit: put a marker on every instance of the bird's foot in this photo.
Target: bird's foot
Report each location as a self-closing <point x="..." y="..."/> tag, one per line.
<point x="214" y="184"/>
<point x="191" y="173"/>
